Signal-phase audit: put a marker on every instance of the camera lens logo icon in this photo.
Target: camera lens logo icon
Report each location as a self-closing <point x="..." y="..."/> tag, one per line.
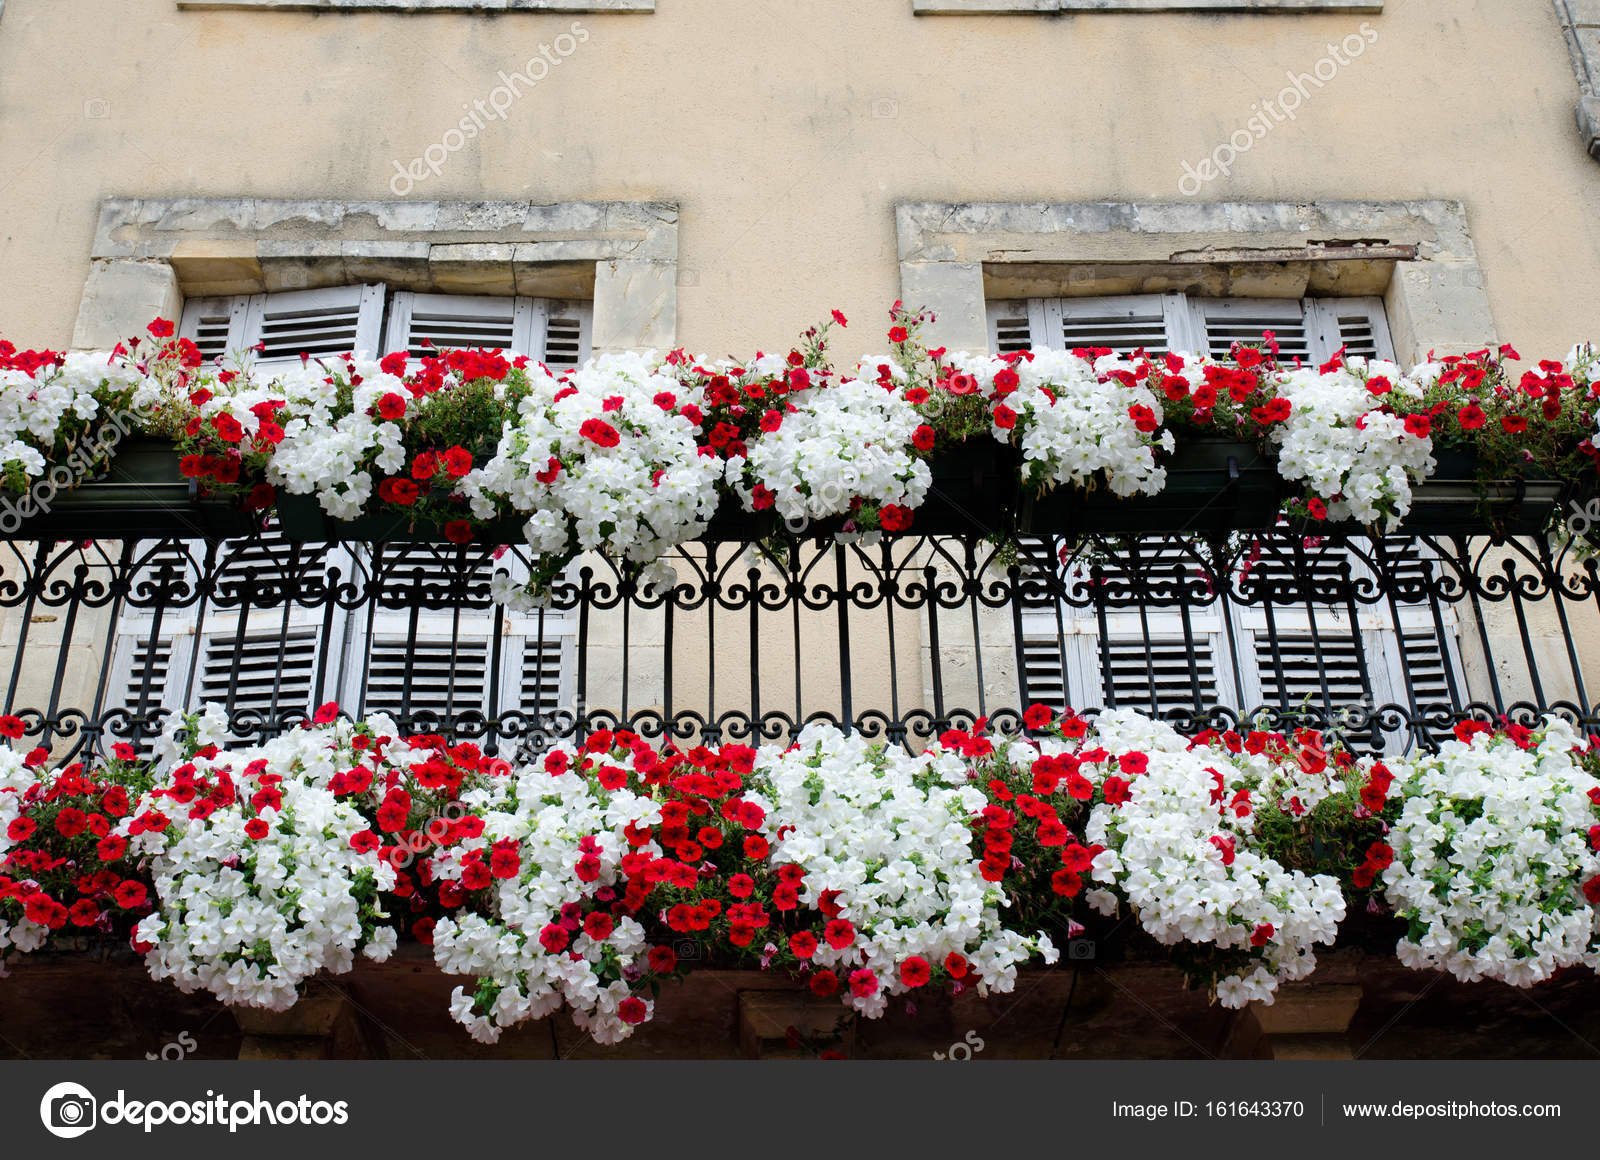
<point x="68" y="1110"/>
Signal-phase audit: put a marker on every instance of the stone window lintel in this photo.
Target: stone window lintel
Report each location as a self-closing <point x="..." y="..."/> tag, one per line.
<point x="150" y="253"/>
<point x="1418" y="255"/>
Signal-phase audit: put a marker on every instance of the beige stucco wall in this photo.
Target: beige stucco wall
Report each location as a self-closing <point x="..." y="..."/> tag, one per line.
<point x="787" y="134"/>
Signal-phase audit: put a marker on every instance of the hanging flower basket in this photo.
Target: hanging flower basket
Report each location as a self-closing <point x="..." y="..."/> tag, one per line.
<point x="1454" y="501"/>
<point x="301" y="518"/>
<point x="140" y="493"/>
<point x="1213" y="486"/>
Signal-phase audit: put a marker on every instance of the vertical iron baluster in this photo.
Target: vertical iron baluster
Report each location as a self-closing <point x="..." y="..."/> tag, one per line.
<point x="493" y="725"/>
<point x="1220" y="575"/>
<point x="754" y="574"/>
<point x="666" y="659"/>
<point x="1387" y="579"/>
<point x="1097" y="593"/>
<point x="842" y="595"/>
<point x="1354" y="612"/>
<point x="1184" y="616"/>
<point x="585" y="599"/>
<point x="971" y="588"/>
<point x="936" y="669"/>
<point x="413" y="624"/>
<point x="122" y="574"/>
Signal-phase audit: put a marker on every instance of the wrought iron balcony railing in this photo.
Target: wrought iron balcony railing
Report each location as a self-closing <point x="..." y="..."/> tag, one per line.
<point x="1389" y="640"/>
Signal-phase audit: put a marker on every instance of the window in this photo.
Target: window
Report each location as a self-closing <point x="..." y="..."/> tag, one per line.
<point x="432" y="647"/>
<point x="332" y="321"/>
<point x="1308" y="329"/>
<point x="1299" y="638"/>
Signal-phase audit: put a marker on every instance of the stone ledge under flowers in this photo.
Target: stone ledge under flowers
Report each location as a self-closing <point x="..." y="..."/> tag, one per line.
<point x="84" y="1004"/>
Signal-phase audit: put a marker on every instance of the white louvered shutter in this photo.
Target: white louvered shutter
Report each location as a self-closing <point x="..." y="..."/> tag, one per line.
<point x="1040" y="661"/>
<point x="1226" y="321"/>
<point x="1293" y="667"/>
<point x="567" y="335"/>
<point x="1157" y="678"/>
<point x="447" y="665"/>
<point x="432" y="673"/>
<point x="267" y="663"/>
<point x="1357" y="324"/>
<point x="1013" y="324"/>
<point x="1114" y="668"/>
<point x="266" y="671"/>
<point x="1124" y="323"/>
<point x="216" y="325"/>
<point x="547" y="658"/>
<point x="1309" y="330"/>
<point x="319" y="323"/>
<point x="422" y="323"/>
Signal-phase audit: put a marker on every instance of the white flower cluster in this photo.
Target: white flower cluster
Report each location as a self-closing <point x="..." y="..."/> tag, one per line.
<point x="635" y="485"/>
<point x="249" y="918"/>
<point x="1342" y="446"/>
<point x="845" y="440"/>
<point x="1073" y="421"/>
<point x="1492" y="857"/>
<point x="891" y="834"/>
<point x="1181" y="858"/>
<point x="557" y="822"/>
<point x="334" y="439"/>
<point x="108" y="394"/>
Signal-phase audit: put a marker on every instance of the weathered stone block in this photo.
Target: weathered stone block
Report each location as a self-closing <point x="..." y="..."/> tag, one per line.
<point x="954" y="292"/>
<point x="635" y="306"/>
<point x="205" y="266"/>
<point x="120" y="298"/>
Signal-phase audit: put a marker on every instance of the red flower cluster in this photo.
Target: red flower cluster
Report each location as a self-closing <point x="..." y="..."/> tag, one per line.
<point x="66" y="868"/>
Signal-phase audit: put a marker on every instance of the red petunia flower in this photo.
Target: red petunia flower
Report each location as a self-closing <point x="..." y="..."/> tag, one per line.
<point x="600" y="433"/>
<point x="914" y="972"/>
